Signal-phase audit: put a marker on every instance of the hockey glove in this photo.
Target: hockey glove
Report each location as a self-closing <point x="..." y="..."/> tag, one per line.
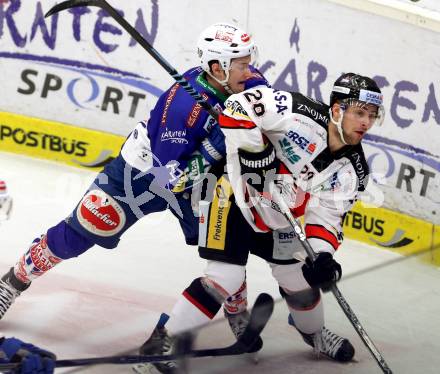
<point x="213" y="147"/>
<point x="33" y="360"/>
<point x="323" y="272"/>
<point x="258" y="165"/>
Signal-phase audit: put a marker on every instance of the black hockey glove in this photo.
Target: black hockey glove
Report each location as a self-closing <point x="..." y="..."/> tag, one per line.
<point x="257" y="165"/>
<point x="323" y="272"/>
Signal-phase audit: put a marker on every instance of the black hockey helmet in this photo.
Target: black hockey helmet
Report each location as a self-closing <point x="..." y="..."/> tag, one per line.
<point x="355" y="89"/>
<point x="358" y="87"/>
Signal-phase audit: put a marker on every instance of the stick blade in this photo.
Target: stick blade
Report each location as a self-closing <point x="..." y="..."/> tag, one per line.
<point x="70" y="4"/>
<point x="260" y="315"/>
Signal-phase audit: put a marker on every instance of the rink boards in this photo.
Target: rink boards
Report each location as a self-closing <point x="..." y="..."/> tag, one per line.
<point x="55" y="141"/>
<point x="91" y="149"/>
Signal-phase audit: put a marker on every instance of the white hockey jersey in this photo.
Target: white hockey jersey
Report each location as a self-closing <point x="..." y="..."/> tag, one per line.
<point x="316" y="183"/>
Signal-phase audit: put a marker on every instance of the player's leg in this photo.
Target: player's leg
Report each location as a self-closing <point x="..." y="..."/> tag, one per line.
<point x="58" y="243"/>
<point x="240" y="237"/>
<point x="109" y="207"/>
<point x="235" y="306"/>
<point x="225" y="250"/>
<point x="195" y="307"/>
<point x="235" y="310"/>
<point x="307" y="313"/>
<point x="189" y="223"/>
<point x="284" y="254"/>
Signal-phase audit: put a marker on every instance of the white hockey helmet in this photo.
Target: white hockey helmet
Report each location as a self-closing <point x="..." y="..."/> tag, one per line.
<point x="223" y="42"/>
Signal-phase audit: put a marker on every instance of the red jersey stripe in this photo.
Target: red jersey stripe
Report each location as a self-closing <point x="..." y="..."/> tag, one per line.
<point x="259" y="221"/>
<point x="232" y="123"/>
<point x="320" y="232"/>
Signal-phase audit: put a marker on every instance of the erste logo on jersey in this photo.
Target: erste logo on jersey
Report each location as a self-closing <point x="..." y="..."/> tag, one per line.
<point x="301" y="141"/>
<point x="100" y="214"/>
<point x="288" y="152"/>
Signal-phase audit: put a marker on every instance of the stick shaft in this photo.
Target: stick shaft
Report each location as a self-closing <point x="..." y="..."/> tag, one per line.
<point x="284" y="209"/>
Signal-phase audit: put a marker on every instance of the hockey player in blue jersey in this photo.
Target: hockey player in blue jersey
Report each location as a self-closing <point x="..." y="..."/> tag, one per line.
<point x="156" y="168"/>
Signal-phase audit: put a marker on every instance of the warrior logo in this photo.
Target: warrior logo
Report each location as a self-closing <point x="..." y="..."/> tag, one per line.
<point x="100" y="214"/>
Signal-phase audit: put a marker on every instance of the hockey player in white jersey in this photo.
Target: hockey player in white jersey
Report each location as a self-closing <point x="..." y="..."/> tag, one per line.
<point x="5" y="202"/>
<point x="312" y="154"/>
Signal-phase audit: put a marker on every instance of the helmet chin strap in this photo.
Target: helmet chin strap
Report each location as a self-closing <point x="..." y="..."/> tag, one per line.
<point x="223" y="82"/>
<point x="338" y="124"/>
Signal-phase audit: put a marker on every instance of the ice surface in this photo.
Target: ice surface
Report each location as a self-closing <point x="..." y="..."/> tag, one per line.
<point x="107" y="302"/>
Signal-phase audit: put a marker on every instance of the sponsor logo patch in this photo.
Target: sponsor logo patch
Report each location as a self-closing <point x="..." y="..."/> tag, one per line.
<point x="210" y="122"/>
<point x="311" y="148"/>
<point x="288" y="152"/>
<point x="168" y="101"/>
<point x="371" y="97"/>
<point x="235" y="109"/>
<point x="245" y="38"/>
<point x="195" y="112"/>
<point x="219" y="215"/>
<point x="100" y="214"/>
<point x="39" y="256"/>
<point x="224" y="36"/>
<point x="312" y="113"/>
<point x="174" y="136"/>
<point x="299" y="140"/>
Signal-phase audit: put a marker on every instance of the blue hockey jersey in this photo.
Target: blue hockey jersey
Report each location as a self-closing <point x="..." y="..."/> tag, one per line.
<point x="167" y="142"/>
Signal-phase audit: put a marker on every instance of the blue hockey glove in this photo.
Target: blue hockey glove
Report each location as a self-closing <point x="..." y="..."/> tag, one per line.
<point x="213" y="147"/>
<point x="33" y="360"/>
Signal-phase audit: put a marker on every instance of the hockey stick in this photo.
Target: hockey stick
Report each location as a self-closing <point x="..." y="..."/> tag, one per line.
<point x="259" y="316"/>
<point x="284" y="209"/>
<point x="140" y="39"/>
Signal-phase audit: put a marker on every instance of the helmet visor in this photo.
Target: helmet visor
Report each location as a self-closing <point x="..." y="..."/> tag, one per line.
<point x="238" y="63"/>
<point x="374" y="114"/>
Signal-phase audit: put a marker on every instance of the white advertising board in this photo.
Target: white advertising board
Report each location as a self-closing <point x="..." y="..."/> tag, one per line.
<point x="79" y="67"/>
